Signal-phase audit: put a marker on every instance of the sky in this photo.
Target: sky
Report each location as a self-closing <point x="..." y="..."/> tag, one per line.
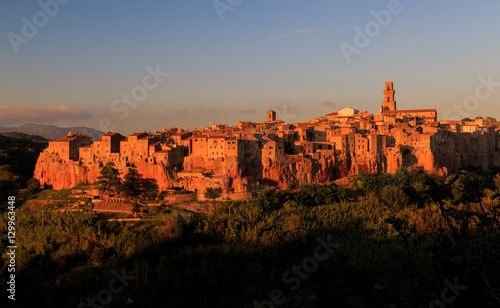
<point x="131" y="66"/>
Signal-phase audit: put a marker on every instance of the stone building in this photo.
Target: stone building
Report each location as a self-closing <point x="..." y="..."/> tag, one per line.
<point x="68" y="147"/>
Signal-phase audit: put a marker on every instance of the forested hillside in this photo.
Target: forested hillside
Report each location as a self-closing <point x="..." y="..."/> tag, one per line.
<point x="403" y="240"/>
<point x="18" y="155"/>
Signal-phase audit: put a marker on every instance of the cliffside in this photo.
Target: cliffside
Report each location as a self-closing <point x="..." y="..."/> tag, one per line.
<point x="52" y="170"/>
<point x="297" y="170"/>
<point x="453" y="151"/>
<point x="449" y="153"/>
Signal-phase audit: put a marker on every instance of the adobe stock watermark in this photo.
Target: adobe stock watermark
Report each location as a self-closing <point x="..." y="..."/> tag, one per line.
<point x="105" y="296"/>
<point x="137" y="95"/>
<point x="30" y="27"/>
<point x="223" y="6"/>
<point x="371" y="29"/>
<point x="285" y="113"/>
<point x="293" y="278"/>
<point x="482" y="92"/>
<point x="449" y="294"/>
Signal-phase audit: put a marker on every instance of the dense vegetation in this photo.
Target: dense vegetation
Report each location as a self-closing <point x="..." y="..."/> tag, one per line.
<point x="133" y="185"/>
<point x="488" y="121"/>
<point x="18" y="155"/>
<point x="395" y="241"/>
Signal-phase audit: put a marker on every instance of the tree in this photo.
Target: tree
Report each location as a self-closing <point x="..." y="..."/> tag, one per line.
<point x="178" y="225"/>
<point x="271" y="199"/>
<point x="212" y="193"/>
<point x="33" y="185"/>
<point x="491" y="121"/>
<point x="130" y="186"/>
<point x="109" y="180"/>
<point x="136" y="186"/>
<point x="136" y="209"/>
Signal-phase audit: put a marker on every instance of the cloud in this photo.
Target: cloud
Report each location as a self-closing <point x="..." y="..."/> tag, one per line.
<point x="327" y="104"/>
<point x="217" y="110"/>
<point x="246" y="111"/>
<point x="211" y="110"/>
<point x="284" y="36"/>
<point x="40" y="114"/>
<point x="195" y="111"/>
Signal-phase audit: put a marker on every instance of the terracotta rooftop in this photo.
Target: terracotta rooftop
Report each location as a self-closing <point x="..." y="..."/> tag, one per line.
<point x="408" y="111"/>
<point x="138" y="134"/>
<point x="111" y="134"/>
<point x="249" y="138"/>
<point x="365" y="121"/>
<point x="70" y="137"/>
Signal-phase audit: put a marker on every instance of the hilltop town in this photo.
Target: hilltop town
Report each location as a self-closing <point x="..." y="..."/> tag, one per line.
<point x="250" y="156"/>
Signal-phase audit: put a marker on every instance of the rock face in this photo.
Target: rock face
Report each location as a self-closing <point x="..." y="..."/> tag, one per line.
<point x="448" y="153"/>
<point x="52" y="170"/>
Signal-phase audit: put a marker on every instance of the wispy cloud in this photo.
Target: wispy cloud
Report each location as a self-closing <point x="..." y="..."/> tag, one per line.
<point x="40" y="114"/>
<point x="195" y="111"/>
<point x="285" y="35"/>
<point x="245" y="110"/>
<point x="327" y="103"/>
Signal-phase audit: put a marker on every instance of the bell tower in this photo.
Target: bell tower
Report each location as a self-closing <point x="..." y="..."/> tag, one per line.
<point x="271" y="116"/>
<point x="389" y="102"/>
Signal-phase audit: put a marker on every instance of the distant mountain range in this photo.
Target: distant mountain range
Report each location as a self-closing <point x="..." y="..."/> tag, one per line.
<point x="52" y="132"/>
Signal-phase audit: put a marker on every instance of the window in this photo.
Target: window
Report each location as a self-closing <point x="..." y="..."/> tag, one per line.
<point x="387" y="98"/>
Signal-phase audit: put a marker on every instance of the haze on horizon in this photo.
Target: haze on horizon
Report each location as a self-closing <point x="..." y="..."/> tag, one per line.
<point x="221" y="62"/>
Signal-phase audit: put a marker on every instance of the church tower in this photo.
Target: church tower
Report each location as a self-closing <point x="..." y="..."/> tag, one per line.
<point x="389" y="102"/>
<point x="271" y="116"/>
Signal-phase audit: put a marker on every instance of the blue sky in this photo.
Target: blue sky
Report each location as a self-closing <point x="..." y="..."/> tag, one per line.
<point x="280" y="54"/>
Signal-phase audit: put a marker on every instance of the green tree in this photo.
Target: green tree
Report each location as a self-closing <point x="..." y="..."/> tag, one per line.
<point x="33" y="185"/>
<point x="136" y="186"/>
<point x="109" y="180"/>
<point x="136" y="209"/>
<point x="212" y="193"/>
<point x="130" y="187"/>
<point x="178" y="225"/>
<point x="491" y="121"/>
<point x="271" y="199"/>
